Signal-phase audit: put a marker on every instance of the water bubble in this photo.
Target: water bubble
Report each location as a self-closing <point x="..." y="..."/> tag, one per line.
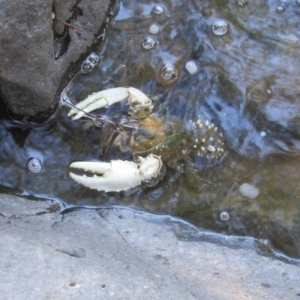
<point x="90" y="63"/>
<point x="148" y="43"/>
<point x="224" y="216"/>
<point x="219" y="27"/>
<point x="282" y="6"/>
<point x="154" y="29"/>
<point x="158" y="10"/>
<point x="34" y="165"/>
<point x="191" y="67"/>
<point x="168" y="72"/>
<point x="241" y="2"/>
<point x="280" y="9"/>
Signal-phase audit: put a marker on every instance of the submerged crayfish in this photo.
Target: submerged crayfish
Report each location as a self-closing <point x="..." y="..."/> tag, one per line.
<point x="153" y="141"/>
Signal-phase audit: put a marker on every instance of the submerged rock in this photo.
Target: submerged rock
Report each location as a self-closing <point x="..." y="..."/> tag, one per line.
<point x="249" y="190"/>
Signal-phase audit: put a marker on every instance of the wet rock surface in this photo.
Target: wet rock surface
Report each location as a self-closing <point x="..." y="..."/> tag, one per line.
<point x="120" y="254"/>
<point x="29" y="73"/>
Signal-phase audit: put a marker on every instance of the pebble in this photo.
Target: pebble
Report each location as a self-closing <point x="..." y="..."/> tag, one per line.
<point x="248" y="190"/>
<point x="191" y="67"/>
<point x="154" y="29"/>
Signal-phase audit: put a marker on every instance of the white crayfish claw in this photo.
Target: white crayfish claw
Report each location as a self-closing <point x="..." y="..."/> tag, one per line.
<point x="117" y="175"/>
<point x="108" y="97"/>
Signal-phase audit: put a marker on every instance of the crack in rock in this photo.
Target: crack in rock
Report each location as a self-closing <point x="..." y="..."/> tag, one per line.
<point x="101" y="214"/>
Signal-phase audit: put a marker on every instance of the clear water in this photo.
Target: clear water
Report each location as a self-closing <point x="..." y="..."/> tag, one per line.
<point x="247" y="83"/>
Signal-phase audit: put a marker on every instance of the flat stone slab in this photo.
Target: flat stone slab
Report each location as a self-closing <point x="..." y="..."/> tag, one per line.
<point x="121" y="254"/>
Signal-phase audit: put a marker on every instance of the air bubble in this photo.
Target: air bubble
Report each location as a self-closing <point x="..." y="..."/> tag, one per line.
<point x="224" y="216"/>
<point x="158" y="10"/>
<point x="219" y="27"/>
<point x="154" y="29"/>
<point x="90" y="63"/>
<point x="191" y="67"/>
<point x="241" y="3"/>
<point x="168" y="72"/>
<point x="281" y="7"/>
<point x="148" y="43"/>
<point x="34" y="165"/>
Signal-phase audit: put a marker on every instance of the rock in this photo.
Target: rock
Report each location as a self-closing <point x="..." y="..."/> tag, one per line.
<point x="29" y="74"/>
<point x="123" y="254"/>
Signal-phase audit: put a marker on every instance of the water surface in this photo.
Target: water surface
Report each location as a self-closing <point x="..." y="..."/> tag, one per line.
<point x="247" y="83"/>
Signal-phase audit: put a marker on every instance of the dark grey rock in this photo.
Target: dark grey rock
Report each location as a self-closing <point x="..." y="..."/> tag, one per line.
<point x="121" y="254"/>
<point x="29" y="74"/>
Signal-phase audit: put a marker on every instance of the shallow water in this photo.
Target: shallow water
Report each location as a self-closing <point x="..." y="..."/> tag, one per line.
<point x="247" y="83"/>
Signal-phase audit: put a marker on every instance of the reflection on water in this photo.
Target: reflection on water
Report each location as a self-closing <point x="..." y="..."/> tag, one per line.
<point x="234" y="63"/>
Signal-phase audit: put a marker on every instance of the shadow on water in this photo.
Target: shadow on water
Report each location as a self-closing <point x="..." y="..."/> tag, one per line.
<point x="245" y="80"/>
